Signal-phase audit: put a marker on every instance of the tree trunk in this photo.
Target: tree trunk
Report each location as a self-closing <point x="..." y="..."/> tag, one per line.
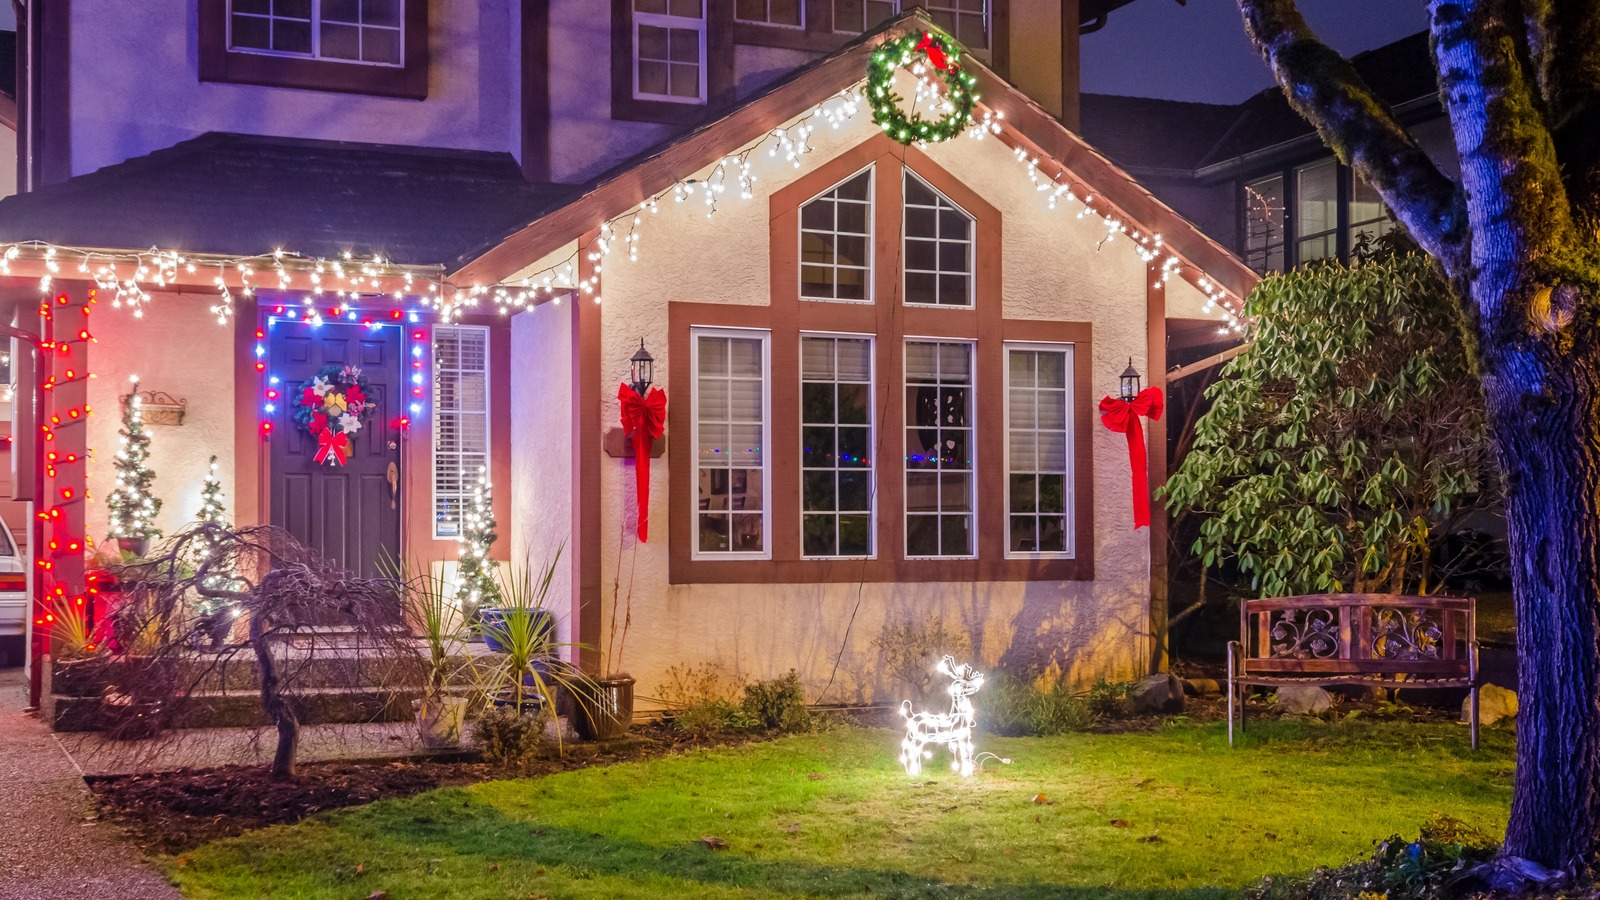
<point x="1544" y="407"/>
<point x="274" y="704"/>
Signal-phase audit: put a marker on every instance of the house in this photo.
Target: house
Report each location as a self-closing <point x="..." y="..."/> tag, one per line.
<point x="882" y="360"/>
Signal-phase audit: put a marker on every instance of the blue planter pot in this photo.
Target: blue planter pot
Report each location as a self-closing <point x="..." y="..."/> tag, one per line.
<point x="492" y="621"/>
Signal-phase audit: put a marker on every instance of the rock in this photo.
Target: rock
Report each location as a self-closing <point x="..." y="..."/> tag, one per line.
<point x="1156" y="695"/>
<point x="1494" y="703"/>
<point x="1303" y="700"/>
<point x="1203" y="687"/>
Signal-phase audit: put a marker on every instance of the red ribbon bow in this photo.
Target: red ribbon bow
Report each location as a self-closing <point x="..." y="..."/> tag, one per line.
<point x="332" y="449"/>
<point x="1123" y="415"/>
<point x="935" y="52"/>
<point x="645" y="419"/>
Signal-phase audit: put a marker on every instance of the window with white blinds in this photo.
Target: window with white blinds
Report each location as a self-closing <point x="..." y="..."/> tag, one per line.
<point x="730" y="437"/>
<point x="460" y="420"/>
<point x="1039" y="450"/>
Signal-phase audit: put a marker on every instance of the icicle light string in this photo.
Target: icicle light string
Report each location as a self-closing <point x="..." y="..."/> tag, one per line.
<point x="131" y="277"/>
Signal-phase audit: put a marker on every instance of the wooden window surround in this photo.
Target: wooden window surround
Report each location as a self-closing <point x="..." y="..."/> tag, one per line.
<point x="891" y="322"/>
<point x="718" y="63"/>
<point x="819" y="36"/>
<point x="220" y="63"/>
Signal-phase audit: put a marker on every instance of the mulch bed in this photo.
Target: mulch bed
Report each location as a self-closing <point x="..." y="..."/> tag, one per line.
<point x="170" y="812"/>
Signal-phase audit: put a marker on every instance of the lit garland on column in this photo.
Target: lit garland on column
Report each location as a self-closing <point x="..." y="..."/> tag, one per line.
<point x="133" y="509"/>
<point x="475" y="585"/>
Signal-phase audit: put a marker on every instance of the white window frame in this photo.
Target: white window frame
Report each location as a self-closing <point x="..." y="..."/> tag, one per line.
<point x="905" y="240"/>
<point x="1069" y="484"/>
<point x="899" y="7"/>
<point x="972" y="419"/>
<point x="872" y="235"/>
<point x="663" y="20"/>
<point x="316" y="37"/>
<point x="767" y="22"/>
<point x="765" y="336"/>
<point x="437" y="415"/>
<point x="872" y="439"/>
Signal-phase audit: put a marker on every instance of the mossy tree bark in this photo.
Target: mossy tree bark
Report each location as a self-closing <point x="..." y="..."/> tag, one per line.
<point x="1517" y="236"/>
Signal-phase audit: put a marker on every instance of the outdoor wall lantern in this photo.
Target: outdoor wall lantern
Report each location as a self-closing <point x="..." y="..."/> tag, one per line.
<point x="1130" y="379"/>
<point x="641" y="369"/>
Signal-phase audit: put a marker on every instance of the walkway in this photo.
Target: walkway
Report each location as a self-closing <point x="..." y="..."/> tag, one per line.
<point x="51" y="844"/>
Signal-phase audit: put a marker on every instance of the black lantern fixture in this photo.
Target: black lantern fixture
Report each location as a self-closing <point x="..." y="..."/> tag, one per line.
<point x="1130" y="381"/>
<point x="641" y="369"/>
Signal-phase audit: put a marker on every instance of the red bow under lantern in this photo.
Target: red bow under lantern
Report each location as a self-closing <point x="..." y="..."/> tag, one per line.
<point x="645" y="419"/>
<point x="935" y="52"/>
<point x="332" y="449"/>
<point x="1123" y="415"/>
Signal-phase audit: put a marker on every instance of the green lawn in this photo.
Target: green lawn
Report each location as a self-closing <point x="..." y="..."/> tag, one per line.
<point x="1171" y="814"/>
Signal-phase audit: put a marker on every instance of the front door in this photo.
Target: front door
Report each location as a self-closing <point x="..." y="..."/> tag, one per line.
<point x="350" y="513"/>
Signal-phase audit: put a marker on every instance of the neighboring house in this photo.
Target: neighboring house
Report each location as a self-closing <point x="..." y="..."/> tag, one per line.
<point x="1256" y="176"/>
<point x="882" y="361"/>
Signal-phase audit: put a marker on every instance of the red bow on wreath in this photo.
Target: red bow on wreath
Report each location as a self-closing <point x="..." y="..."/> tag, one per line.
<point x="1123" y="415"/>
<point x="935" y="52"/>
<point x="332" y="448"/>
<point x="645" y="419"/>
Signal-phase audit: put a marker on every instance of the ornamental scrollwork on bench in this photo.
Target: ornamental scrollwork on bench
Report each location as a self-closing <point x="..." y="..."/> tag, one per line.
<point x="1306" y="634"/>
<point x="1405" y="634"/>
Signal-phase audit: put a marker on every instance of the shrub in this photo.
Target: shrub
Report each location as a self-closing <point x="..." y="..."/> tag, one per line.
<point x="1109" y="699"/>
<point x="910" y="649"/>
<point x="704" y="700"/>
<point x="1445" y="849"/>
<point x="778" y="703"/>
<point x="1015" y="705"/>
<point x="509" y="740"/>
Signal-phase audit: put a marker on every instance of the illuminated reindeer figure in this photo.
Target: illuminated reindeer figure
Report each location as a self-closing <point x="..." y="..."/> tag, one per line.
<point x="953" y="729"/>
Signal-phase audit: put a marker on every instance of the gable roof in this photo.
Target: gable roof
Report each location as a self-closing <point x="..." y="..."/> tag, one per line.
<point x="657" y="169"/>
<point x="1148" y="134"/>
<point x="240" y="194"/>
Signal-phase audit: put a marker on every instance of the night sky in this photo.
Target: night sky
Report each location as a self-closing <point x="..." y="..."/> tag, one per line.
<point x="1156" y="48"/>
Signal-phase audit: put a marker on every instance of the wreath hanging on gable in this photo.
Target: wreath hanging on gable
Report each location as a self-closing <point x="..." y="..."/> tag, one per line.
<point x="920" y="52"/>
<point x="332" y="406"/>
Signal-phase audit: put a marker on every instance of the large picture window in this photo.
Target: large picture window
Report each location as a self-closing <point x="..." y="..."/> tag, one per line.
<point x="939" y="448"/>
<point x="460" y="420"/>
<point x="836" y="242"/>
<point x="669" y="47"/>
<point x="938" y="235"/>
<point x="836" y="443"/>
<point x="1038" y="449"/>
<point x="730" y="440"/>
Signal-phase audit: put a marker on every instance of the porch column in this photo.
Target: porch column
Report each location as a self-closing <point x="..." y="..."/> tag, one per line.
<point x="65" y="326"/>
<point x="587" y="449"/>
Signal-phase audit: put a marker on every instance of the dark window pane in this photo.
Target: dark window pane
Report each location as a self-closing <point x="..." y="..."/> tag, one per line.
<point x="922" y="254"/>
<point x="652" y="42"/>
<point x="685" y="45"/>
<point x="745" y="488"/>
<point x="379" y="45"/>
<point x="291" y="37"/>
<point x="856" y="188"/>
<point x="818" y="536"/>
<point x="854" y="490"/>
<point x="853" y="217"/>
<point x="954" y="225"/>
<point x="853" y="447"/>
<point x="920" y="194"/>
<point x="1052" y="494"/>
<point x="816" y="403"/>
<point x="922" y="222"/>
<point x="251" y="32"/>
<point x="1052" y="534"/>
<point x="294" y="9"/>
<point x="922" y="491"/>
<point x="685" y="81"/>
<point x="380" y="12"/>
<point x="847" y="15"/>
<point x="816" y="281"/>
<point x="651" y="6"/>
<point x="341" y="41"/>
<point x="262" y="7"/>
<point x="952" y="257"/>
<point x="817" y="215"/>
<point x="954" y="539"/>
<point x="1022" y="493"/>
<point x="1023" y="537"/>
<point x="855" y="535"/>
<point x="713" y="533"/>
<point x="652" y="78"/>
<point x="751" y="10"/>
<point x="851" y="250"/>
<point x="819" y="492"/>
<point x="953" y="290"/>
<point x="853" y="403"/>
<point x="687" y="8"/>
<point x="817" y="447"/>
<point x="922" y="535"/>
<point x="922" y="287"/>
<point x="341" y="11"/>
<point x="747" y="533"/>
<point x="852" y="285"/>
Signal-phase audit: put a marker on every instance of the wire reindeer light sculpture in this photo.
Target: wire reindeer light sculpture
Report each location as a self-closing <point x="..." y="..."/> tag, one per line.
<point x="952" y="729"/>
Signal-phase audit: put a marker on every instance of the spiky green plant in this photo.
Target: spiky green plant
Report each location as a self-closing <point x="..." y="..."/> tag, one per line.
<point x="525" y="629"/>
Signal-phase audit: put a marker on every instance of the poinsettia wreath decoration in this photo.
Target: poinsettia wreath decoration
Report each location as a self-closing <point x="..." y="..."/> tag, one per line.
<point x="332" y="406"/>
<point x="921" y="53"/>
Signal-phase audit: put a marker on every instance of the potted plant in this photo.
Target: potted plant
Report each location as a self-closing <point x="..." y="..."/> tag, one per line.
<point x="432" y="614"/>
<point x="528" y="671"/>
<point x="131" y="503"/>
<point x="605" y="705"/>
<point x="77" y="667"/>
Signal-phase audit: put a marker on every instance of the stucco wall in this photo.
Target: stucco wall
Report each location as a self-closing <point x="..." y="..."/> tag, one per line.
<point x="584" y="140"/>
<point x="178" y="348"/>
<point x="1051" y="269"/>
<point x="541" y="446"/>
<point x="135" y="86"/>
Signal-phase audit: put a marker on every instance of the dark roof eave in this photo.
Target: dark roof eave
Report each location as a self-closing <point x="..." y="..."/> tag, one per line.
<point x="1410" y="112"/>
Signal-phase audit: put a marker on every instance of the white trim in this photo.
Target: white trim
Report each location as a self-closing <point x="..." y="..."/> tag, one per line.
<point x="1069" y="489"/>
<point x="764" y="335"/>
<point x="670" y="22"/>
<point x="872" y="239"/>
<point x="905" y="238"/>
<point x="315" y="24"/>
<point x="434" y="415"/>
<point x="874" y="439"/>
<point x="972" y="448"/>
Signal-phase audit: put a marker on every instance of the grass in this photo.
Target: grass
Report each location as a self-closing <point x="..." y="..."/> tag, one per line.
<point x="1174" y="814"/>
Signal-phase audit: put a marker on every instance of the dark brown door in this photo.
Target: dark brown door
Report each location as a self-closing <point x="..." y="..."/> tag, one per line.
<point x="348" y="513"/>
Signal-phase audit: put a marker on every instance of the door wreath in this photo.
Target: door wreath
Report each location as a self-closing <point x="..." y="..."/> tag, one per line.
<point x="334" y="404"/>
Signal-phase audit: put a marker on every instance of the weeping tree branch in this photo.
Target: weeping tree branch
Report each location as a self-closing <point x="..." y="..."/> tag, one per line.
<point x="1324" y="88"/>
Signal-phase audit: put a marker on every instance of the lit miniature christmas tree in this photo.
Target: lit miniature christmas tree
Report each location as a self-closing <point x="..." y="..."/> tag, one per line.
<point x="475" y="585"/>
<point x="132" y="507"/>
<point x="212" y="512"/>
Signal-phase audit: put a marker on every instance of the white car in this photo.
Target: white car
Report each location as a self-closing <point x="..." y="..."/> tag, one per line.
<point x="13" y="586"/>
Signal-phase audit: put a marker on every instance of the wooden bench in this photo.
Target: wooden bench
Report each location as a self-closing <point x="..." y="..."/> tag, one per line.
<point x="1379" y="640"/>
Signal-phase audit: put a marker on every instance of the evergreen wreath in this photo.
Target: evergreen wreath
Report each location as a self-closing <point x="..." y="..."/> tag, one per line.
<point x="332" y="406"/>
<point x="929" y="49"/>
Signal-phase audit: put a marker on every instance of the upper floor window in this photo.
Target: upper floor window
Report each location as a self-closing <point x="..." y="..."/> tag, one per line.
<point x="836" y="242"/>
<point x="367" y="31"/>
<point x="1368" y="216"/>
<point x="1317" y="211"/>
<point x="938" y="260"/>
<point x="360" y="46"/>
<point x="966" y="20"/>
<point x="1263" y="224"/>
<point x="788" y="13"/>
<point x="669" y="50"/>
<point x="460" y="420"/>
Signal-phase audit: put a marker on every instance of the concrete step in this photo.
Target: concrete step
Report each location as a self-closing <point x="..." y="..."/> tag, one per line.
<point x="316" y="706"/>
<point x="237" y="671"/>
